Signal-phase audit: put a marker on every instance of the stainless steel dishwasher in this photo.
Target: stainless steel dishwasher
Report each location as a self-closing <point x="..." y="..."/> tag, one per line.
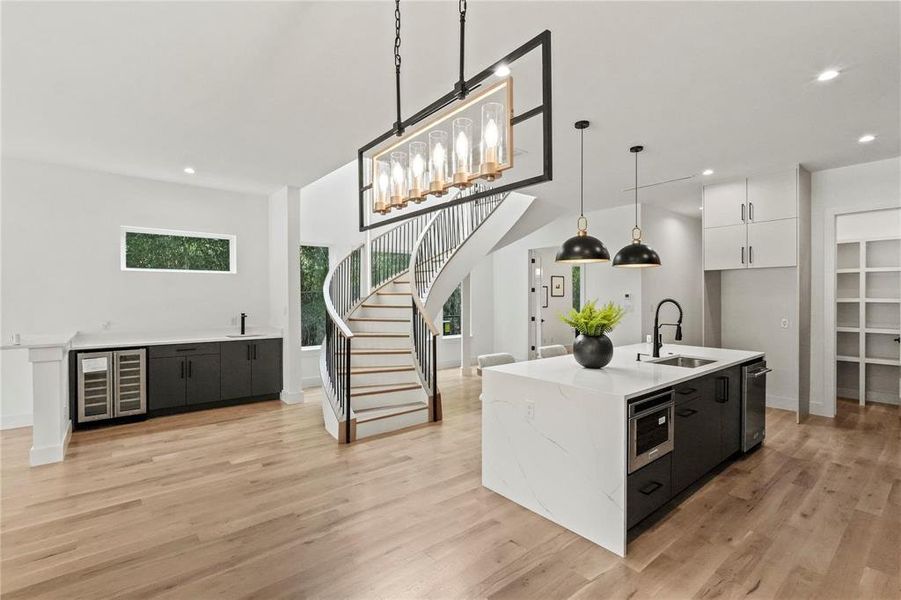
<point x="753" y="404"/>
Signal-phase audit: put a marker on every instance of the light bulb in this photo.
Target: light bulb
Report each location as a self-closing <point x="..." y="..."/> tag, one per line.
<point x="491" y="134"/>
<point x="462" y="147"/>
<point x="439" y="156"/>
<point x="383" y="184"/>
<point x="398" y="174"/>
<point x="418" y="166"/>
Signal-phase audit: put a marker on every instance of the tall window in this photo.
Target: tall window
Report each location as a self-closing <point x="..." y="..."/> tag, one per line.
<point x="313" y="269"/>
<point x="144" y="249"/>
<point x="450" y="314"/>
<point x="577" y="287"/>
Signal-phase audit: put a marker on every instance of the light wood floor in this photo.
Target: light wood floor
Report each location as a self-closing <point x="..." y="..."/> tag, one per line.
<point x="259" y="502"/>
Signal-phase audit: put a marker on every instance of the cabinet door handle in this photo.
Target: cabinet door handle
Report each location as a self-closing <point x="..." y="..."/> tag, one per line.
<point x="185" y="349"/>
<point x="742" y="255"/>
<point x="686" y="412"/>
<point x="189" y="368"/>
<point x="650" y="488"/>
<point x="750" y="211"/>
<point x="742" y="212"/>
<point x="182" y="375"/>
<point x="750" y="255"/>
<point x="248" y="351"/>
<point x="722" y="389"/>
<point x="254" y="351"/>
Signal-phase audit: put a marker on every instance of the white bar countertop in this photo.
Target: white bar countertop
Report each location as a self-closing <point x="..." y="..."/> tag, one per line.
<point x="554" y="433"/>
<point x="625" y="376"/>
<point x="123" y="339"/>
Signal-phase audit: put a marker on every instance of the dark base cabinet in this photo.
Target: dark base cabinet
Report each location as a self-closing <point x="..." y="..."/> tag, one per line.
<point x="707" y="431"/>
<point x="186" y="377"/>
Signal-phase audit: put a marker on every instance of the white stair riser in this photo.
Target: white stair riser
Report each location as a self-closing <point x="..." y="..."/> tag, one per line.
<point x="381" y="360"/>
<point x="379" y="326"/>
<point x="359" y="343"/>
<point x="394" y="377"/>
<point x="404" y="299"/>
<point x="392" y="399"/>
<point x="394" y="423"/>
<point x="404" y="312"/>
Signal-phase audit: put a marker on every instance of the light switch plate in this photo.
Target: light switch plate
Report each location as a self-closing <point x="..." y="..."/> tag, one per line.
<point x="784" y="323"/>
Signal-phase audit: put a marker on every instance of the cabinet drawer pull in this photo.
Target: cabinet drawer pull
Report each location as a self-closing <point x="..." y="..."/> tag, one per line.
<point x="742" y="212"/>
<point x="185" y="349"/>
<point x="750" y="255"/>
<point x="650" y="488"/>
<point x="684" y="391"/>
<point x="182" y="376"/>
<point x="686" y="412"/>
<point x="742" y="255"/>
<point x="254" y="351"/>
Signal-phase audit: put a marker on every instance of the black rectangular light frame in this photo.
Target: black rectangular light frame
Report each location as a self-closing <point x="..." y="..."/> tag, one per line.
<point x="541" y="41"/>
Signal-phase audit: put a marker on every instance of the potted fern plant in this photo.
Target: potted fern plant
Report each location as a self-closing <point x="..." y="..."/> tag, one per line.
<point x="592" y="348"/>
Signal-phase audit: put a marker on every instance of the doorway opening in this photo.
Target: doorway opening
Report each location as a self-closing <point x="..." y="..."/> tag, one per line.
<point x="555" y="288"/>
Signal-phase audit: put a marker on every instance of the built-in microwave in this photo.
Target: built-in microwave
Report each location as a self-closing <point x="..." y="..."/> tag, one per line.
<point x="650" y="429"/>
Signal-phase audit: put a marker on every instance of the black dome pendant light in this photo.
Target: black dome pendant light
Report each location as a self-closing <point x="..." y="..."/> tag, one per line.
<point x="637" y="254"/>
<point x="582" y="248"/>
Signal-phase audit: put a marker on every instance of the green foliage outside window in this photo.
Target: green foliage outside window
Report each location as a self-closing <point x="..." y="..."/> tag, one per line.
<point x="313" y="270"/>
<point x="451" y="313"/>
<point x="577" y="287"/>
<point x="384" y="263"/>
<point x="176" y="252"/>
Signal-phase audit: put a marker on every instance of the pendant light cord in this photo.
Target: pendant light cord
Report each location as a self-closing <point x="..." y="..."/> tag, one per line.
<point x="582" y="173"/>
<point x="398" y="125"/>
<point x="636" y="190"/>
<point x="461" y="85"/>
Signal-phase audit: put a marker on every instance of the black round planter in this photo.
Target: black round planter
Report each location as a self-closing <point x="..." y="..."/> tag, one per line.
<point x="593" y="352"/>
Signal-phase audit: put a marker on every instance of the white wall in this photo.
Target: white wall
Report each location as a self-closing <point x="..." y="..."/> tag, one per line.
<point x="60" y="260"/>
<point x="865" y="186"/>
<point x="677" y="239"/>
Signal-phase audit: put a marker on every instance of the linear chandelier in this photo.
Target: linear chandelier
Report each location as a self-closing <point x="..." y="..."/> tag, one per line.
<point x="464" y="137"/>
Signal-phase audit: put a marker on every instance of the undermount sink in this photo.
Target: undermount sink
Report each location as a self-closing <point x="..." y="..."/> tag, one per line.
<point x="688" y="362"/>
<point x="246" y="335"/>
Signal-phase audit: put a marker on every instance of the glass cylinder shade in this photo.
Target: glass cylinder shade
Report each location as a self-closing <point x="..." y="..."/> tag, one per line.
<point x="462" y="134"/>
<point x="398" y="183"/>
<point x="438" y="155"/>
<point x="418" y="172"/>
<point x="494" y="140"/>
<point x="382" y="180"/>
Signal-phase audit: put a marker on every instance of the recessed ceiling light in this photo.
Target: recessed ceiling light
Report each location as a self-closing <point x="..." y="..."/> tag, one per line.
<point x="189" y="170"/>
<point x="866" y="139"/>
<point x="827" y="75"/>
<point x="707" y="172"/>
<point x="502" y="71"/>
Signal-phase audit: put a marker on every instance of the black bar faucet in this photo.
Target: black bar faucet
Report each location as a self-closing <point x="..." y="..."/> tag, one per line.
<point x="658" y="341"/>
<point x="244" y="320"/>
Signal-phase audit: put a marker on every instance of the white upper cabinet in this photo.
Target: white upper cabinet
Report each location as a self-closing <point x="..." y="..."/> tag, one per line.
<point x="772" y="197"/>
<point x="724" y="204"/>
<point x="772" y="244"/>
<point x="725" y="247"/>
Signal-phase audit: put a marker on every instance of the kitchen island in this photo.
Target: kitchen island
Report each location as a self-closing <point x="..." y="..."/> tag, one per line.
<point x="554" y="435"/>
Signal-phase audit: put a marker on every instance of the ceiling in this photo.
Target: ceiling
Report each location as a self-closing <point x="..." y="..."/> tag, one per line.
<point x="256" y="95"/>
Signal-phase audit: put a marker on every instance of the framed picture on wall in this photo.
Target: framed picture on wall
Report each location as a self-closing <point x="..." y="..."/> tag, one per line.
<point x="544" y="300"/>
<point x="557" y="283"/>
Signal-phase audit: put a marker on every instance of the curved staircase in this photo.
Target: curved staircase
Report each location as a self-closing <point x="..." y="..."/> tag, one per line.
<point x="378" y="361"/>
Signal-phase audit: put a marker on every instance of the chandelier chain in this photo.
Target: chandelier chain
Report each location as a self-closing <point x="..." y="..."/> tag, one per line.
<point x="582" y="173"/>
<point x="398" y="126"/>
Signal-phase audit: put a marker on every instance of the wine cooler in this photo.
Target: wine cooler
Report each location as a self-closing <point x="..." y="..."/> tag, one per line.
<point x="111" y="384"/>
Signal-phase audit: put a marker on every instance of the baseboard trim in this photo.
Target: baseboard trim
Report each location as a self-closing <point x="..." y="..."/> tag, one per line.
<point x="51" y="454"/>
<point x="16" y="421"/>
<point x="781" y="402"/>
<point x="291" y="397"/>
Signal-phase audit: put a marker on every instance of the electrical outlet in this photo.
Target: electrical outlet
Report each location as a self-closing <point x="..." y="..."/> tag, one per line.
<point x="784" y="323"/>
<point x="530" y="411"/>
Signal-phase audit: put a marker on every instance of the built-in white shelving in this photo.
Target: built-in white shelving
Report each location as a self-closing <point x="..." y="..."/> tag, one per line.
<point x="868" y="318"/>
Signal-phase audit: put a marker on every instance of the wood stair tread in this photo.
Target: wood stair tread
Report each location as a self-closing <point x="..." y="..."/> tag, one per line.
<point x="377" y="351"/>
<point x="383" y="412"/>
<point x="379" y="320"/>
<point x="369" y="334"/>
<point x="394" y="293"/>
<point x="380" y="369"/>
<point x="372" y="390"/>
<point x="394" y="306"/>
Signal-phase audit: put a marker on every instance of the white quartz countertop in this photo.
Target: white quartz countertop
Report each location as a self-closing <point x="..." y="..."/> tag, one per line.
<point x="625" y="376"/>
<point x="123" y="339"/>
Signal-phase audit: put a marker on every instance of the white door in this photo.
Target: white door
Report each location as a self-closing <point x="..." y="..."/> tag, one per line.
<point x="724" y="204"/>
<point x="773" y="244"/>
<point x="773" y="196"/>
<point x="724" y="248"/>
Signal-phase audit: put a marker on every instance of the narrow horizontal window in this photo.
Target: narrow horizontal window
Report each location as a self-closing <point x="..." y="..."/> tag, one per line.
<point x="146" y="249"/>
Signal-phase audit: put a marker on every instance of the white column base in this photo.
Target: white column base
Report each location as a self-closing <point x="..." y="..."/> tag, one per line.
<point x="51" y="454"/>
<point x="292" y="397"/>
